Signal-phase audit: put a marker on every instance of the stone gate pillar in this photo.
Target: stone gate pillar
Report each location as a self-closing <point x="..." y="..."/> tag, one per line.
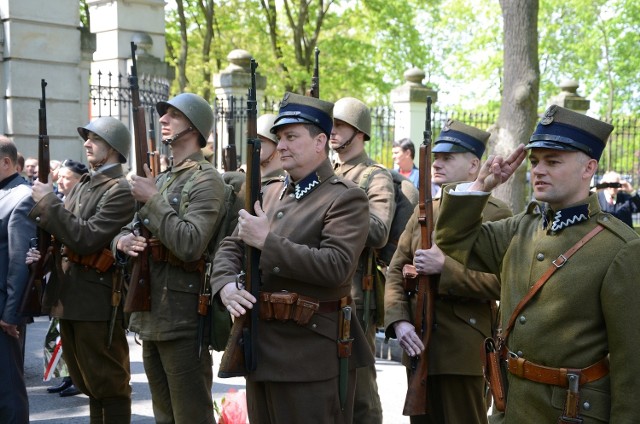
<point x="41" y="42"/>
<point x="116" y="23"/>
<point x="409" y="104"/>
<point x="234" y="81"/>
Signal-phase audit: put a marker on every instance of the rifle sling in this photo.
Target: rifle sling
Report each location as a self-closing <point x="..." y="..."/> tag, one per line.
<point x="555" y="265"/>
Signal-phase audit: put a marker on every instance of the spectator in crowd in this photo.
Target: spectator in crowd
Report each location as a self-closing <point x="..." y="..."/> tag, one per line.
<point x="16" y="231"/>
<point x="404" y="153"/>
<point x="30" y="169"/>
<point x="617" y="197"/>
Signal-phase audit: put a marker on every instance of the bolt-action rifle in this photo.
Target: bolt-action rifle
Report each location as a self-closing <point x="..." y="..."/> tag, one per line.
<point x="139" y="290"/>
<point x="229" y="155"/>
<point x="314" y="91"/>
<point x="239" y="356"/>
<point x="427" y="288"/>
<point x="32" y="300"/>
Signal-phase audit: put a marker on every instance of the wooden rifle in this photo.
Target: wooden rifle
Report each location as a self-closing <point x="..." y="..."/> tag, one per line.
<point x="31" y="304"/>
<point x="314" y="91"/>
<point x="239" y="356"/>
<point x="427" y="289"/>
<point x="139" y="290"/>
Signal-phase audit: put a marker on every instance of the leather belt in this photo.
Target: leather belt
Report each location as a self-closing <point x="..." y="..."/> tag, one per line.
<point x="522" y="368"/>
<point x="327" y="306"/>
<point x="159" y="253"/>
<point x="101" y="261"/>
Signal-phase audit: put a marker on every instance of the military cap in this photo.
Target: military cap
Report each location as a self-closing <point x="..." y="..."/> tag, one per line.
<point x="297" y="109"/>
<point x="456" y="137"/>
<point x="265" y="122"/>
<point x="564" y="129"/>
<point x="76" y="167"/>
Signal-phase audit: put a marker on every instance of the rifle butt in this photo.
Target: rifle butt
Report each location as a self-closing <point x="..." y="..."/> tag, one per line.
<point x="31" y="305"/>
<point x="415" y="402"/>
<point x="138" y="297"/>
<point x="233" y="363"/>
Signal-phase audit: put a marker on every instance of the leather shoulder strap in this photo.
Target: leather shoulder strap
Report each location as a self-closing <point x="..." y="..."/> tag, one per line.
<point x="555" y="265"/>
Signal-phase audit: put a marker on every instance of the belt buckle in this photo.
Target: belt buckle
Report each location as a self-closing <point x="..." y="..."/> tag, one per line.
<point x="559" y="261"/>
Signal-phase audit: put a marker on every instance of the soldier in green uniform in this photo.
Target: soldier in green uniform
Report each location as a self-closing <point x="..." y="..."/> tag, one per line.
<point x="181" y="209"/>
<point x="79" y="294"/>
<point x="455" y="386"/>
<point x="310" y="231"/>
<point x="572" y="351"/>
<point x="351" y="129"/>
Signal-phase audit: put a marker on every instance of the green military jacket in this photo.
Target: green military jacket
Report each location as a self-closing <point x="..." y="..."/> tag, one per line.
<point x="91" y="215"/>
<point x="185" y="230"/>
<point x="382" y="206"/>
<point x="587" y="310"/>
<point x="311" y="249"/>
<point x="463" y="311"/>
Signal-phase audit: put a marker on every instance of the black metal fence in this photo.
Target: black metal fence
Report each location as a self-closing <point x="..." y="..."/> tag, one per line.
<point x="111" y="96"/>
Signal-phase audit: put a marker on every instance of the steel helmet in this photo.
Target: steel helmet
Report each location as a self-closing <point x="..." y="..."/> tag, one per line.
<point x="265" y="122"/>
<point x="355" y="113"/>
<point x="195" y="108"/>
<point x="111" y="130"/>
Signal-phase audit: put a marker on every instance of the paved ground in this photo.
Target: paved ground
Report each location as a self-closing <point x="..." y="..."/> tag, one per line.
<point x="48" y="408"/>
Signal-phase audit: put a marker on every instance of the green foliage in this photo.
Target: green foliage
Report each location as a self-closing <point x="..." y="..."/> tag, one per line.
<point x="367" y="45"/>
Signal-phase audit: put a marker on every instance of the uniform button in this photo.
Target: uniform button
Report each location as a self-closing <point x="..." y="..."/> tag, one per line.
<point x="174" y="200"/>
<point x="586" y="406"/>
<point x="519" y="353"/>
<point x="145" y="221"/>
<point x="291" y="195"/>
<point x="606" y="218"/>
<point x="540" y="256"/>
<point x="88" y="189"/>
<point x="190" y="285"/>
<point x="472" y="321"/>
<point x="279" y="214"/>
<point x="276" y="269"/>
<point x="335" y="180"/>
<point x="522" y="319"/>
<point x="314" y="325"/>
<point x="38" y="219"/>
<point x="101" y="279"/>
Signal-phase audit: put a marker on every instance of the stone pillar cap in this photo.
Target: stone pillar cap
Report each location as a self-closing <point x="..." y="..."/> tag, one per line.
<point x="239" y="60"/>
<point x="414" y="75"/>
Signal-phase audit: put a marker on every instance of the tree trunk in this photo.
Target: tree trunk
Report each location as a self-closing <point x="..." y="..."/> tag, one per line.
<point x="518" y="111"/>
<point x="184" y="47"/>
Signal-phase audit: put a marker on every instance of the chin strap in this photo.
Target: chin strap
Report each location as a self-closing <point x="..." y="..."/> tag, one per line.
<point x="168" y="141"/>
<point x="346" y="143"/>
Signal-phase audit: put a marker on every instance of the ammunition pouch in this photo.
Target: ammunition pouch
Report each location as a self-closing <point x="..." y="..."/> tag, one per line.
<point x="100" y="261"/>
<point x="284" y="306"/>
<point x="159" y="253"/>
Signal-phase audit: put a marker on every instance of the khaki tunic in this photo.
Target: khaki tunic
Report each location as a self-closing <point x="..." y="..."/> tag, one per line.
<point x="462" y="324"/>
<point x="311" y="249"/>
<point x="586" y="310"/>
<point x="77" y="292"/>
<point x="382" y="206"/>
<point x="92" y="214"/>
<point x="174" y="291"/>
